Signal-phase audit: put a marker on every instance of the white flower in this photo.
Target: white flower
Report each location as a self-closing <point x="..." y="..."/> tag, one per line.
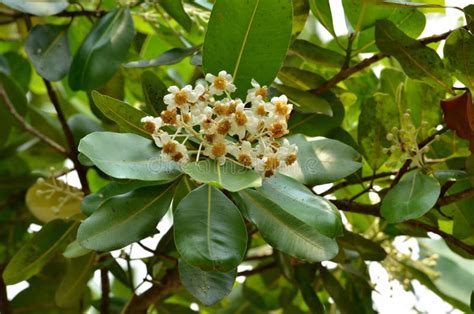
<point x="181" y="98"/>
<point x="220" y="83"/>
<point x="281" y="107"/>
<point x="257" y="93"/>
<point x="287" y="152"/>
<point x="239" y="121"/>
<point x="243" y="153"/>
<point x="218" y="149"/>
<point x="161" y="139"/>
<point x="151" y="124"/>
<point x="276" y="126"/>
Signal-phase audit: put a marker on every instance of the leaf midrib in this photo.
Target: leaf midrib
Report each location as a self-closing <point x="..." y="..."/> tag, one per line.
<point x="147" y="205"/>
<point x="241" y="52"/>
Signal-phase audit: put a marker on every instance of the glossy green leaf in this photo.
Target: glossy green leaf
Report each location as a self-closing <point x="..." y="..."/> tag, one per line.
<point x="285" y="232"/>
<point x="368" y="249"/>
<point x="256" y="36"/>
<point x="306" y="102"/>
<point x="422" y="99"/>
<point x="322" y="11"/>
<point x="18" y="100"/>
<point x="378" y="116"/>
<point x="153" y="90"/>
<point x="82" y="125"/>
<point x="172" y="56"/>
<point x="337" y="292"/>
<point x="176" y="10"/>
<point x="321" y="160"/>
<point x="458" y="52"/>
<point x="300" y="15"/>
<point x="74" y="283"/>
<point x="304" y="275"/>
<point x="418" y="61"/>
<point x="126" y="116"/>
<point x="297" y="200"/>
<point x="93" y="201"/>
<point x="209" y="287"/>
<point x="103" y="50"/>
<point x="411" y="198"/>
<point x="317" y="54"/>
<point x="125" y="219"/>
<point x="127" y="156"/>
<point x="38" y="251"/>
<point x="74" y="250"/>
<point x="19" y="68"/>
<point x="301" y="79"/>
<point x="35" y="7"/>
<point x="48" y="48"/>
<point x="209" y="230"/>
<point x="229" y="176"/>
<point x="469" y="14"/>
<point x="363" y="13"/>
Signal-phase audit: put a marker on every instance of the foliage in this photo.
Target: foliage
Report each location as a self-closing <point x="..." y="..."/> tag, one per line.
<point x="272" y="147"/>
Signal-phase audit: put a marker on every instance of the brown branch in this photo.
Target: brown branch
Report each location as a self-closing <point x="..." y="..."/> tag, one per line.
<point x="363" y="179"/>
<point x="139" y="304"/>
<point x="105" y="291"/>
<point x="4" y="303"/>
<point x="26" y="126"/>
<point x="258" y="270"/>
<point x="345" y="73"/>
<point x="73" y="153"/>
<point x="456" y="197"/>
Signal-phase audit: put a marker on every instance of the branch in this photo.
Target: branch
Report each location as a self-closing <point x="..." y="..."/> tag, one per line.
<point x="4" y="303"/>
<point x="26" y="126"/>
<point x="258" y="270"/>
<point x="105" y="290"/>
<point x="456" y="197"/>
<point x="73" y="153"/>
<point x="363" y="179"/>
<point x="20" y="15"/>
<point x="139" y="304"/>
<point x="345" y="73"/>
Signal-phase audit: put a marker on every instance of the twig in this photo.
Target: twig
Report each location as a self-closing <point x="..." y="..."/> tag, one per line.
<point x="26" y="126"/>
<point x="456" y="197"/>
<point x="139" y="304"/>
<point x="363" y="179"/>
<point x="73" y="153"/>
<point x="105" y="287"/>
<point x="345" y="73"/>
<point x="258" y="270"/>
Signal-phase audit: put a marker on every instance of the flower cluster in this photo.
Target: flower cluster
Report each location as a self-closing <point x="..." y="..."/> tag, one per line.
<point x="405" y="141"/>
<point x="207" y="121"/>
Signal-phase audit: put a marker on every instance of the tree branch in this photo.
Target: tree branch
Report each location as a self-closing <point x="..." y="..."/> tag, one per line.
<point x="139" y="304"/>
<point x="73" y="153"/>
<point x="347" y="72"/>
<point x="26" y="126"/>
<point x="105" y="290"/>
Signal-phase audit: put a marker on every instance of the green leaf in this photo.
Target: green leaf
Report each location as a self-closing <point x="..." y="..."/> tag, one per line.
<point x="127" y="156"/>
<point x="229" y="176"/>
<point x="300" y="15"/>
<point x="209" y="287"/>
<point x="153" y="90"/>
<point x="125" y="219"/>
<point x="176" y="10"/>
<point x="469" y="13"/>
<point x="285" y="232"/>
<point x="301" y="79"/>
<point x="411" y="198"/>
<point x="299" y="201"/>
<point x="48" y="48"/>
<point x="171" y="56"/>
<point x="378" y="116"/>
<point x="458" y="52"/>
<point x="304" y="275"/>
<point x="418" y="61"/>
<point x="362" y="14"/>
<point x="38" y="251"/>
<point x="93" y="201"/>
<point x="316" y="54"/>
<point x="306" y="102"/>
<point x="72" y="287"/>
<point x="256" y="36"/>
<point x="82" y="125"/>
<point x="322" y="11"/>
<point x="35" y="7"/>
<point x="74" y="250"/>
<point x="420" y="99"/>
<point x="103" y="50"/>
<point x="126" y="116"/>
<point x="321" y="160"/>
<point x="368" y="250"/>
<point x="19" y="69"/>
<point x="209" y="230"/>
<point x="337" y="292"/>
<point x="18" y="100"/>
